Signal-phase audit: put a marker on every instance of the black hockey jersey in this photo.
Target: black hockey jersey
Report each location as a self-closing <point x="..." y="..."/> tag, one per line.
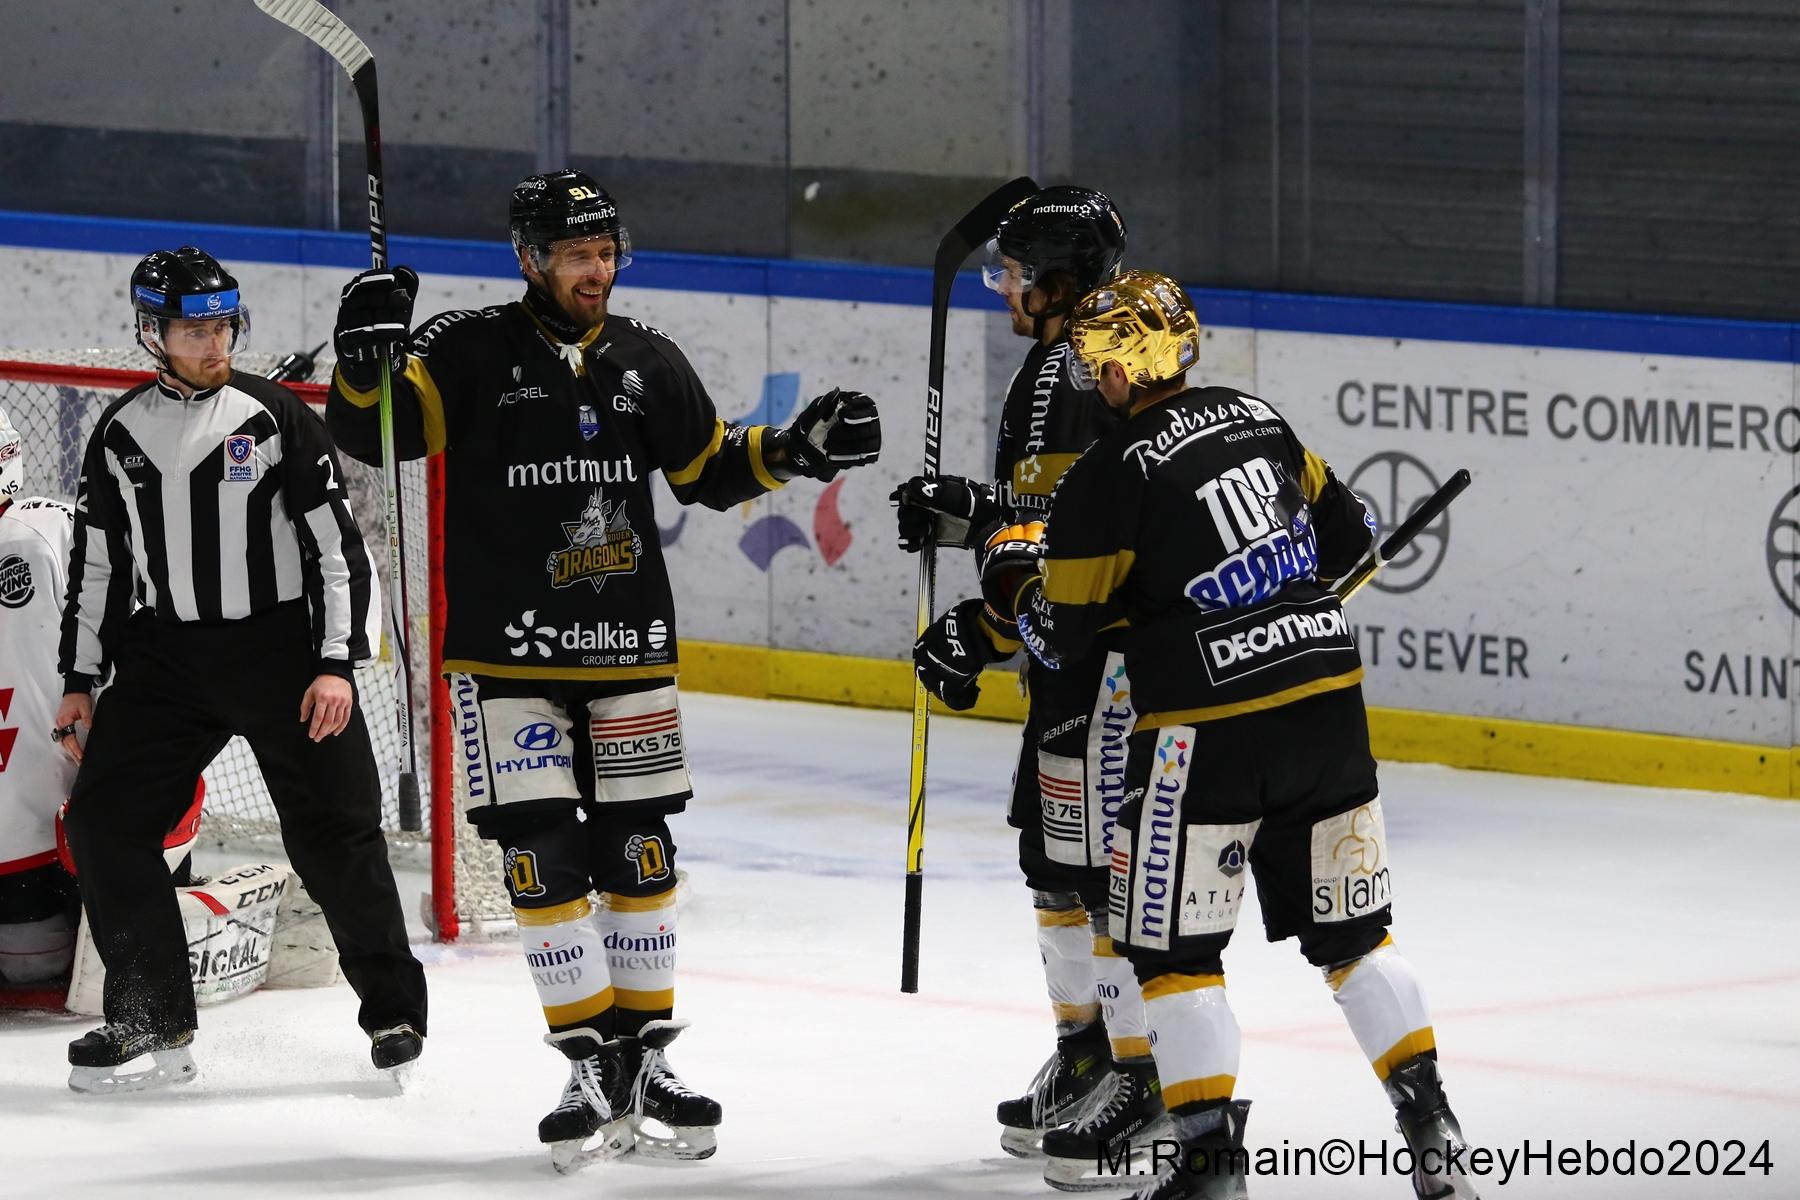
<point x="553" y="566"/>
<point x="1045" y="424"/>
<point x="1205" y="526"/>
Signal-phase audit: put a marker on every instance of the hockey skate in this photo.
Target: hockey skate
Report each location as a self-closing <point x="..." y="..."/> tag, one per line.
<point x="659" y="1095"/>
<point x="1055" y="1096"/>
<point x="1212" y="1163"/>
<point x="582" y="1128"/>
<point x="1111" y="1140"/>
<point x="95" y="1058"/>
<point x="393" y="1051"/>
<point x="1422" y="1114"/>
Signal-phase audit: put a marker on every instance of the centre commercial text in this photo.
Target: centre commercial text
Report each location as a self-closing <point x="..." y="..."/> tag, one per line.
<point x="1594" y="417"/>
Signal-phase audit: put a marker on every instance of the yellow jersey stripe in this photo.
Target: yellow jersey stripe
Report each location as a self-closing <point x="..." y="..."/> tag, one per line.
<point x="579" y="1010"/>
<point x="1312" y="476"/>
<point x="645" y="1001"/>
<point x="431" y="402"/>
<point x="692" y="471"/>
<point x="1175" y="984"/>
<point x="1086" y="580"/>
<point x="1218" y="712"/>
<point x="469" y="666"/>
<point x="556" y="914"/>
<point x="1415" y="1043"/>
<point x="1191" y="1091"/>
<point x="618" y="903"/>
<point x="758" y="466"/>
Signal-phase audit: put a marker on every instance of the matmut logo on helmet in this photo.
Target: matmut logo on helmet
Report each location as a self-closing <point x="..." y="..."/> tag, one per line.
<point x="1143" y="321"/>
<point x="560" y="205"/>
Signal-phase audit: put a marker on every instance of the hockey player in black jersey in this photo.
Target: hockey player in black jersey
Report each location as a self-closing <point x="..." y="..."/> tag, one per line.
<point x="1050" y="249"/>
<point x="1206" y="529"/>
<point x="551" y="413"/>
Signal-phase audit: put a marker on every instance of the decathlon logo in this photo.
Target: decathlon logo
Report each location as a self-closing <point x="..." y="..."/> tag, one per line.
<point x="1782" y="544"/>
<point x="1391" y="485"/>
<point x="541" y="736"/>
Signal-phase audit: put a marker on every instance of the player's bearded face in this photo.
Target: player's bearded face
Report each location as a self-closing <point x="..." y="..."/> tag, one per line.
<point x="200" y="351"/>
<point x="578" y="274"/>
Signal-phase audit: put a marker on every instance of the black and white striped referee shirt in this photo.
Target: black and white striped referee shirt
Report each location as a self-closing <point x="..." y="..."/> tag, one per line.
<point x="210" y="509"/>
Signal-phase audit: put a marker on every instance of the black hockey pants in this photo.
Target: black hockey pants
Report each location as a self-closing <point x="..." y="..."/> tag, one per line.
<point x="179" y="694"/>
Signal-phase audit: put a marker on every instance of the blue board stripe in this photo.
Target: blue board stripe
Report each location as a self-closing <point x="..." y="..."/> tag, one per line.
<point x="1762" y="341"/>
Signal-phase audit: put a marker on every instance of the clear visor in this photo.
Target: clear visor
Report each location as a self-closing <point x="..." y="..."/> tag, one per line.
<point x="1008" y="276"/>
<point x="196" y="338"/>
<point x="604" y="253"/>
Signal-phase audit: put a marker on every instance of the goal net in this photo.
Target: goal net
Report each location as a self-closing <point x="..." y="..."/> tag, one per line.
<point x="55" y="397"/>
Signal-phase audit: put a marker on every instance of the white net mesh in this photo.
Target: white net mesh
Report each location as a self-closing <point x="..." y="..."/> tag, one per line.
<point x="55" y="420"/>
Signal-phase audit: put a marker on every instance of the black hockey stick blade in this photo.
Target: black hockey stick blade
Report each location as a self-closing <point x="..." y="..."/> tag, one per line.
<point x="1428" y="511"/>
<point x="976" y="226"/>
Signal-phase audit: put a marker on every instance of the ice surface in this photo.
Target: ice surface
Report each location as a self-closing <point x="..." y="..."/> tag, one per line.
<point x="1604" y="963"/>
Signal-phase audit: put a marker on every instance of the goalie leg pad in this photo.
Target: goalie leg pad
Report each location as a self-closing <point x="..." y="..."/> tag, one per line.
<point x="302" y="953"/>
<point x="230" y="926"/>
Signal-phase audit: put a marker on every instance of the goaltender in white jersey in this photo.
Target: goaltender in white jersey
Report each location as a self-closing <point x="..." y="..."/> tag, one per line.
<point x="38" y="908"/>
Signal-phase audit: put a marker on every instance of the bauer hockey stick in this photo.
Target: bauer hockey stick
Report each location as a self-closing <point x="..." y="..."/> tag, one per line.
<point x="327" y="31"/>
<point x="1379" y="556"/>
<point x="955" y="248"/>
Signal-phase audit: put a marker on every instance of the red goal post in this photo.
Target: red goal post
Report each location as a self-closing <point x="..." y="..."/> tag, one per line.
<point x="54" y="398"/>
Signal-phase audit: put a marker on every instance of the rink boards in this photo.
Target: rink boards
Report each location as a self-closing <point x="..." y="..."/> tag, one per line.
<point x="1614" y="598"/>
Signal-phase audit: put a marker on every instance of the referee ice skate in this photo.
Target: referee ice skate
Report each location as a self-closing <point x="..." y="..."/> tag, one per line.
<point x="215" y="498"/>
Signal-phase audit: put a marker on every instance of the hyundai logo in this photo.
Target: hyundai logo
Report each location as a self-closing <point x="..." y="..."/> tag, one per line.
<point x="541" y="736"/>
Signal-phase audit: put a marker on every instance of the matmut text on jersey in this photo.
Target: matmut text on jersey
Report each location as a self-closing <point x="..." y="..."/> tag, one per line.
<point x="1204" y="528"/>
<point x="553" y="563"/>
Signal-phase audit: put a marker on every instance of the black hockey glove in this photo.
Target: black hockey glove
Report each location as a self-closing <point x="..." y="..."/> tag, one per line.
<point x="375" y="319"/>
<point x="1010" y="558"/>
<point x="837" y="431"/>
<point x="949" y="655"/>
<point x="946" y="511"/>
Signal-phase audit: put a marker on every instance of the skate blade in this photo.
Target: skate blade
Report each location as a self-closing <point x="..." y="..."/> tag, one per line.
<point x="614" y="1140"/>
<point x="687" y="1143"/>
<point x="1085" y="1175"/>
<point x="1022" y="1143"/>
<point x="168" y="1068"/>
<point x="403" y="1078"/>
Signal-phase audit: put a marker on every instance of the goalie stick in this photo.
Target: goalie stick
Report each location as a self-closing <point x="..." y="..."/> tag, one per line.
<point x="326" y="30"/>
<point x="1379" y="556"/>
<point x="974" y="229"/>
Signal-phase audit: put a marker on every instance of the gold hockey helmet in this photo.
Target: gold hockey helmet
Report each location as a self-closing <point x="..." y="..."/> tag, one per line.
<point x="1142" y="321"/>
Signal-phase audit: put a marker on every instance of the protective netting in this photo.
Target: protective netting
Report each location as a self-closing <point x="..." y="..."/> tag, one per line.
<point x="55" y="419"/>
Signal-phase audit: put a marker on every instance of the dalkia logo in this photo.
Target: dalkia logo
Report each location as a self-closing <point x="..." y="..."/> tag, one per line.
<point x="601" y="543"/>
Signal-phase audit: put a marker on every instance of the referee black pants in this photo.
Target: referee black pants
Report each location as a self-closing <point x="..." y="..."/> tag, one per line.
<point x="180" y="692"/>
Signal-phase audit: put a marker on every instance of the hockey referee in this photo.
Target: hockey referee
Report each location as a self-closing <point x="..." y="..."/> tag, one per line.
<point x="215" y="499"/>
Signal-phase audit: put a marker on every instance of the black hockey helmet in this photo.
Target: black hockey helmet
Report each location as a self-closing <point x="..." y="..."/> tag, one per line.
<point x="561" y="205"/>
<point x="184" y="284"/>
<point x="1071" y="229"/>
